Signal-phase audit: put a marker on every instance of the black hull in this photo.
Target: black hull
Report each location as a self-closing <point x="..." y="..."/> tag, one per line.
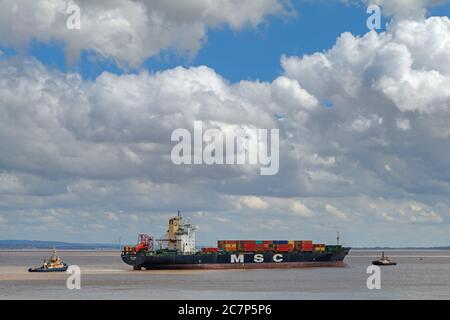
<point x="63" y="269"/>
<point x="377" y="263"/>
<point x="237" y="260"/>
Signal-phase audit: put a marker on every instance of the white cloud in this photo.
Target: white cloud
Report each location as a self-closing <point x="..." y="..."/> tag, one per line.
<point x="409" y="65"/>
<point x="299" y="208"/>
<point x="288" y="93"/>
<point x="339" y="214"/>
<point x="403" y="124"/>
<point x="77" y="147"/>
<point x="361" y="124"/>
<point x="111" y="216"/>
<point x="406" y="212"/>
<point x="120" y="126"/>
<point x="387" y="217"/>
<point x="129" y="31"/>
<point x="10" y="183"/>
<point x="254" y="202"/>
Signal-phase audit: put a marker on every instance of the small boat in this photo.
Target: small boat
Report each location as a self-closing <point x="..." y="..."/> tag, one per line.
<point x="54" y="264"/>
<point x="384" y="261"/>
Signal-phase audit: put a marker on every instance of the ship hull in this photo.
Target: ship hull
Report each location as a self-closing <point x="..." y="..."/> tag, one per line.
<point x="40" y="269"/>
<point x="378" y="263"/>
<point x="275" y="260"/>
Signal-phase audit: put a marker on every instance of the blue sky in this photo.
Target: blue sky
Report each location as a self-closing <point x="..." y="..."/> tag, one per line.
<point x="248" y="54"/>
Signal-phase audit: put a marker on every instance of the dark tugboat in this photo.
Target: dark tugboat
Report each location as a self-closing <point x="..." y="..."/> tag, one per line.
<point x="54" y="264"/>
<point x="384" y="261"/>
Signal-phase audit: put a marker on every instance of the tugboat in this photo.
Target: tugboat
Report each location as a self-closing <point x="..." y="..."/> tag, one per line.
<point x="384" y="261"/>
<point x="54" y="264"/>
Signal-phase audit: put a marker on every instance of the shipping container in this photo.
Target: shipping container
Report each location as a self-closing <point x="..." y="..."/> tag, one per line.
<point x="318" y="247"/>
<point x="210" y="250"/>
<point x="303" y="245"/>
<point x="269" y="245"/>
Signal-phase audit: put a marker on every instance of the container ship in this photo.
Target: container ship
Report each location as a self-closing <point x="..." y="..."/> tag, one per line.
<point x="177" y="250"/>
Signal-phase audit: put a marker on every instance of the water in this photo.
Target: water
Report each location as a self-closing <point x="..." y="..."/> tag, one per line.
<point x="418" y="275"/>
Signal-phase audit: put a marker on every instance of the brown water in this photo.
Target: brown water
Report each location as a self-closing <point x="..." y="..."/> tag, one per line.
<point x="419" y="275"/>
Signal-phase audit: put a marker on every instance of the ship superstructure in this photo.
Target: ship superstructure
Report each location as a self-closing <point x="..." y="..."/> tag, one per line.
<point x="180" y="236"/>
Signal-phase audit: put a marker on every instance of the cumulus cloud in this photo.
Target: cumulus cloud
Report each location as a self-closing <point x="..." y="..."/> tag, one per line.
<point x="389" y="93"/>
<point x="254" y="202"/>
<point x="339" y="214"/>
<point x="99" y="151"/>
<point x="406" y="212"/>
<point x="397" y="64"/>
<point x="120" y="125"/>
<point x="129" y="31"/>
<point x="299" y="208"/>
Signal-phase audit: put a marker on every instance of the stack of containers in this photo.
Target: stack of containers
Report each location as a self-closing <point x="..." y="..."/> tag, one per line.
<point x="319" y="247"/>
<point x="261" y="245"/>
<point x="227" y="245"/>
<point x="291" y="244"/>
<point x="303" y="245"/>
<point x="281" y="245"/>
<point x="252" y="246"/>
<point x="210" y="250"/>
<point x="246" y="246"/>
<point x="231" y="245"/>
<point x="269" y="245"/>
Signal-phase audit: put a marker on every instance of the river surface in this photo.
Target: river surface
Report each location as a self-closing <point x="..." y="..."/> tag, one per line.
<point x="418" y="275"/>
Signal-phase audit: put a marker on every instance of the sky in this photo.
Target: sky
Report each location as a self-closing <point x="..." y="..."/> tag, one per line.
<point x="86" y="118"/>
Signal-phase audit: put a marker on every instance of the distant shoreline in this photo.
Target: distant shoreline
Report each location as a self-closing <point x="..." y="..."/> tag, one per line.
<point x="49" y="245"/>
<point x="404" y="248"/>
